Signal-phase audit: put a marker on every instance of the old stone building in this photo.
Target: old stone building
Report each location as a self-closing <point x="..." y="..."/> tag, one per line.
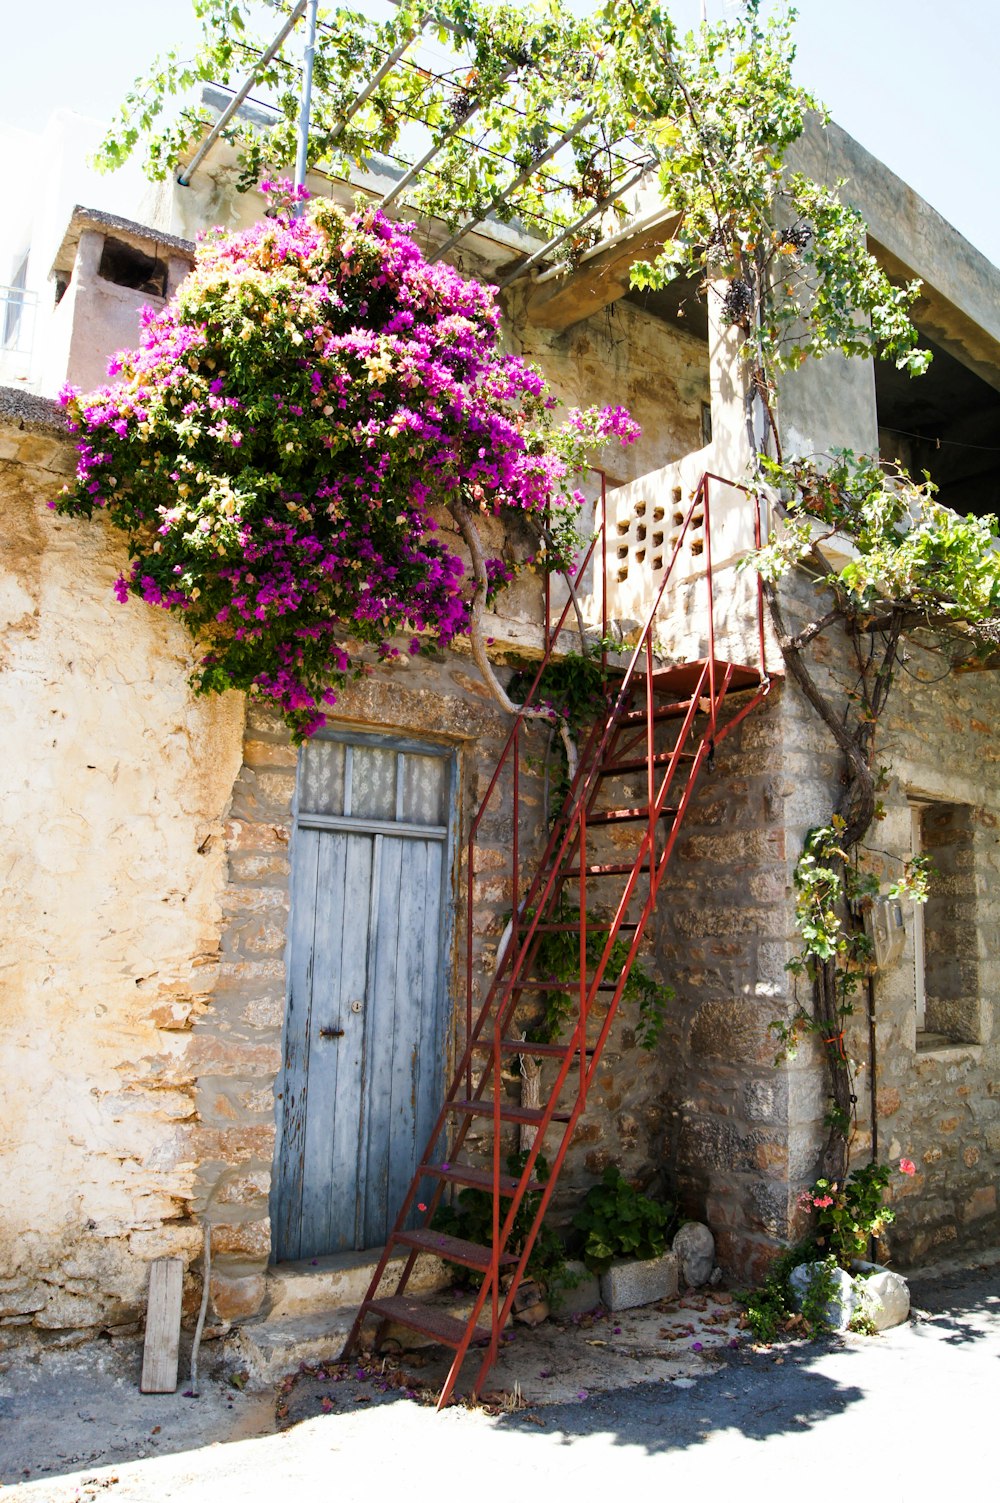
<point x="164" y="876"/>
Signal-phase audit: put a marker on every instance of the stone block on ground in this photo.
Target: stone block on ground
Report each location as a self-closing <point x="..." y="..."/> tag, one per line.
<point x="694" y="1247"/>
<point x="584" y="1296"/>
<point x="627" y="1285"/>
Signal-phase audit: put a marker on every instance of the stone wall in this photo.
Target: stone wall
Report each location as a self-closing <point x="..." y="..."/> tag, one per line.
<point x="937" y="1096"/>
<point x="146" y="885"/>
<point x="115" y="785"/>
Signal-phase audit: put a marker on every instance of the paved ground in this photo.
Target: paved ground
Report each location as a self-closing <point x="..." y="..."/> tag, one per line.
<point x="898" y="1417"/>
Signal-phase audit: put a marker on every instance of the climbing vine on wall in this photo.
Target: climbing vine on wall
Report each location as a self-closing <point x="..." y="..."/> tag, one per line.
<point x="915" y="572"/>
<point x="282" y="449"/>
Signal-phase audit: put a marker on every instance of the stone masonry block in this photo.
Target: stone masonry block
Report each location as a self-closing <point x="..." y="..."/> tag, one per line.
<point x="627" y="1285"/>
<point x="585" y="1294"/>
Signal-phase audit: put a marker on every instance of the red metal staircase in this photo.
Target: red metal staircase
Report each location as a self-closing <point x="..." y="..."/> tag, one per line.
<point x="636" y="775"/>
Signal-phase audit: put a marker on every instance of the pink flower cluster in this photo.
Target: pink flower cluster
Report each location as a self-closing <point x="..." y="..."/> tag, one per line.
<point x="278" y="446"/>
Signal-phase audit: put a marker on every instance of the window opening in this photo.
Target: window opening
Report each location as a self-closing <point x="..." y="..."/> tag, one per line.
<point x="947" y="424"/>
<point x="126" y="266"/>
<point x="945" y="932"/>
<point x="13" y="308"/>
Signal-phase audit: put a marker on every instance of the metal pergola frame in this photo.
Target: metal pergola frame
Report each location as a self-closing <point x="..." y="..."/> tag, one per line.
<point x="393" y="58"/>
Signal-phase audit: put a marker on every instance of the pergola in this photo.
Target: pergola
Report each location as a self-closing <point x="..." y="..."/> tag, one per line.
<point x="564" y="226"/>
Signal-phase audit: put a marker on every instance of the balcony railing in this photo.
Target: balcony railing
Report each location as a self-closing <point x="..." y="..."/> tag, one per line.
<point x="18" y="308"/>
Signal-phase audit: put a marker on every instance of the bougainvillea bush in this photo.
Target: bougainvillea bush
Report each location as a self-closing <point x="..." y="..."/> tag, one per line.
<point x="276" y="450"/>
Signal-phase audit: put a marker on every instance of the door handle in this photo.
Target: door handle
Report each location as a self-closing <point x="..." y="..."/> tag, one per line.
<point x="331" y="1033"/>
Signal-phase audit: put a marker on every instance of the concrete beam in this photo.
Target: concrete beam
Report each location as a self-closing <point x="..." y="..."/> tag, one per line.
<point x="600" y="278"/>
<point x="960" y="305"/>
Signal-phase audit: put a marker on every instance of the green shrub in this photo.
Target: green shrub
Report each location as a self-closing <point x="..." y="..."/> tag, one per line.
<point x="616" y="1221"/>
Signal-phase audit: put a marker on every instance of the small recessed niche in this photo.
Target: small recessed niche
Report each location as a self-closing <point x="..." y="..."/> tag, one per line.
<point x="126" y="266"/>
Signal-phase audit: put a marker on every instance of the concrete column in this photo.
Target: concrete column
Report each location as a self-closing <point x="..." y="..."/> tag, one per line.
<point x="828" y="404"/>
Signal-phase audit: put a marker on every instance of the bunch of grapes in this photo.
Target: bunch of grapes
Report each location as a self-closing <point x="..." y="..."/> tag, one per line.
<point x="461" y="105"/>
<point x="798" y="235"/>
<point x="737" y="305"/>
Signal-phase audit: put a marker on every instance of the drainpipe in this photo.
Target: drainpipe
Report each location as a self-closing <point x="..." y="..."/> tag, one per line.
<point x="301" y="157"/>
<point x="872" y="1088"/>
<point x="872" y="1065"/>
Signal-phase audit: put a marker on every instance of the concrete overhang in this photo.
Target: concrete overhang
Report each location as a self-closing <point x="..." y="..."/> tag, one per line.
<point x="959" y="306"/>
<point x="558" y="299"/>
<point x="139" y="235"/>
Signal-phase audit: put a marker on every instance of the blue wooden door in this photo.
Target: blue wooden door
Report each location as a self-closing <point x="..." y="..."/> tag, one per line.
<point x="364" y="1032"/>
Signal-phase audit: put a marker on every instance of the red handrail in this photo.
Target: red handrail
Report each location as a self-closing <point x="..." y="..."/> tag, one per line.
<point x="568" y="842"/>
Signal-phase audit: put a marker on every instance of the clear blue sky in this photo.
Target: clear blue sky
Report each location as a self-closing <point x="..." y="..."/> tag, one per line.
<point x="916" y="81"/>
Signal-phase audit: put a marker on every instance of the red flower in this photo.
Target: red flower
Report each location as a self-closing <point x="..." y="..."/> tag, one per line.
<point x="907" y="1166"/>
<point x="421" y="1206"/>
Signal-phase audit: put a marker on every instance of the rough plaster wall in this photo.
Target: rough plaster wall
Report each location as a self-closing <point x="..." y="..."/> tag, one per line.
<point x="114" y="787"/>
<point x="624" y="357"/>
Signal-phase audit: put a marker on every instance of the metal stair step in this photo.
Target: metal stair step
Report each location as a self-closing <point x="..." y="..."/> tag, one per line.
<point x="684" y="678"/>
<point x="453" y="1249"/>
<point x="532" y="1115"/>
<point x="624" y="816"/>
<point x="529" y="1046"/>
<point x="640" y="764"/>
<point x="469" y="1176"/>
<point x="601" y="928"/>
<point x="424" y="1318"/>
<point x="672" y="711"/>
<point x="530" y="985"/>
<point x="615" y="869"/>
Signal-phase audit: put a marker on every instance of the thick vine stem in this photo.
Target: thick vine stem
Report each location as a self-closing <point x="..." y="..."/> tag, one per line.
<point x="858" y="803"/>
<point x="470" y="536"/>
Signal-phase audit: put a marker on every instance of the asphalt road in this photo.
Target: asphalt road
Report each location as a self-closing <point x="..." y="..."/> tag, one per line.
<point x="906" y="1416"/>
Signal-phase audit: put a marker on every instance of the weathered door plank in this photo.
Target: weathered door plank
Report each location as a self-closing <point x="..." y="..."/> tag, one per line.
<point x="366" y="928"/>
<point x="163" y="1326"/>
<point x="329" y="1072"/>
<point x="287" y="1230"/>
<point x="380" y="1046"/>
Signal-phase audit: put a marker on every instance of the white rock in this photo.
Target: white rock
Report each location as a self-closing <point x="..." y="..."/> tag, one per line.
<point x="888" y="1293"/>
<point x="694" y="1247"/>
<point x="844" y="1299"/>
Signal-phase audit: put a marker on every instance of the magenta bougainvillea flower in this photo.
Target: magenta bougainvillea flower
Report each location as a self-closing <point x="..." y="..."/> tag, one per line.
<point x="280" y="447"/>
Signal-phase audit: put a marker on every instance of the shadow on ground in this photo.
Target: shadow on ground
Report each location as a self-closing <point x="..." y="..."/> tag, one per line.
<point x="68" y="1414"/>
